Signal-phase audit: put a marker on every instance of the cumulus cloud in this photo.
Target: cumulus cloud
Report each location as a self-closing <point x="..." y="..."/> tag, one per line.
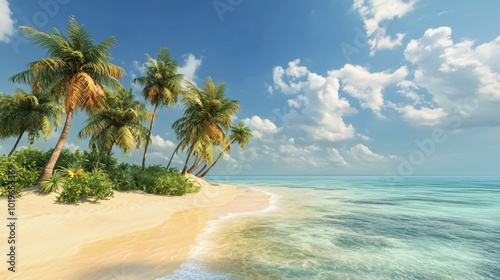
<point x="285" y="80"/>
<point x="318" y="110"/>
<point x="423" y="116"/>
<point x="363" y="153"/>
<point x="6" y="22"/>
<point x="462" y="80"/>
<point x="375" y="13"/>
<point x="367" y="87"/>
<point x="305" y="156"/>
<point x="190" y="67"/>
<point x="334" y="156"/>
<point x="409" y="90"/>
<point x="261" y="128"/>
<point x="159" y="142"/>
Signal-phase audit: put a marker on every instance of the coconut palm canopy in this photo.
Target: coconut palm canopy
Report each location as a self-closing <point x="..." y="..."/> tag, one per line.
<point x="75" y="70"/>
<point x="122" y="123"/>
<point x="36" y="114"/>
<point x="161" y="86"/>
<point x="208" y="113"/>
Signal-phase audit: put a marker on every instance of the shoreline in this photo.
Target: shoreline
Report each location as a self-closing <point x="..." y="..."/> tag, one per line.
<point x="131" y="236"/>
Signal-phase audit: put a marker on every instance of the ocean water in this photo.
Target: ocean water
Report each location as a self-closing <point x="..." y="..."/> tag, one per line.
<point x="356" y="228"/>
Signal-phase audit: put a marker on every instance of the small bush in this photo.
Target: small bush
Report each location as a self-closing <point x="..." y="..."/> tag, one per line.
<point x="67" y="158"/>
<point x="23" y="176"/>
<point x="31" y="159"/>
<point x="124" y="177"/>
<point x="172" y="183"/>
<point x="93" y="186"/>
<point x="148" y="177"/>
<point x="107" y="162"/>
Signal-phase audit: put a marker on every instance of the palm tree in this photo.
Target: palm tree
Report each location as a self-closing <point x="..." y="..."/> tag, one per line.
<point x="209" y="158"/>
<point x="75" y="70"/>
<point x="31" y="113"/>
<point x="207" y="113"/>
<point x="203" y="150"/>
<point x="162" y="86"/>
<point x="122" y="124"/>
<point x="240" y="134"/>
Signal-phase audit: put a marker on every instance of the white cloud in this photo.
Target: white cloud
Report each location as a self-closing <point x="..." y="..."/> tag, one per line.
<point x="71" y="146"/>
<point x="137" y="66"/>
<point x="298" y="102"/>
<point x="423" y="116"/>
<point x="269" y="89"/>
<point x="291" y="74"/>
<point x="301" y="156"/>
<point x="295" y="71"/>
<point x="376" y="12"/>
<point x="6" y="22"/>
<point x="191" y="65"/>
<point x="409" y="90"/>
<point x="363" y="153"/>
<point x="318" y="111"/>
<point x="367" y="87"/>
<point x="261" y="128"/>
<point x="160" y="155"/>
<point x="461" y="79"/>
<point x="334" y="156"/>
<point x="159" y="142"/>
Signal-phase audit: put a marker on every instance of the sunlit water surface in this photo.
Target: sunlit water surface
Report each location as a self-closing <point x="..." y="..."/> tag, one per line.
<point x="356" y="228"/>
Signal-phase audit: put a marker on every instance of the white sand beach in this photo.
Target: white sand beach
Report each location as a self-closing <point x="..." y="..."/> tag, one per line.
<point x="131" y="236"/>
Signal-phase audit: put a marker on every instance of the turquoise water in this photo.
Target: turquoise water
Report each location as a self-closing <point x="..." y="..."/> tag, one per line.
<point x="356" y="228"/>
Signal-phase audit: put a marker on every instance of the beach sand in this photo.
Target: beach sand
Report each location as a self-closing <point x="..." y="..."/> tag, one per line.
<point x="131" y="236"/>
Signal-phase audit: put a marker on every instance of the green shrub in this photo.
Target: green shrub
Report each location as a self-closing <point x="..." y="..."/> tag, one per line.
<point x="93" y="186"/>
<point x="148" y="177"/>
<point x="24" y="177"/>
<point x="124" y="176"/>
<point x="172" y="183"/>
<point x="31" y="159"/>
<point x="107" y="162"/>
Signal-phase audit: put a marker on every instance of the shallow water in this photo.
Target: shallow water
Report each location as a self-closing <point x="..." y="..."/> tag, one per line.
<point x="356" y="228"/>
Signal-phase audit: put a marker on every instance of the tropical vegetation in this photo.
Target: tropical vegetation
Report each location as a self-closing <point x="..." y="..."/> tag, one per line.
<point x="75" y="71"/>
<point x="77" y="75"/>
<point x="161" y="86"/>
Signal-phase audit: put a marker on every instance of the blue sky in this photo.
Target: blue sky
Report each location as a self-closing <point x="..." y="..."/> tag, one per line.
<point x="360" y="87"/>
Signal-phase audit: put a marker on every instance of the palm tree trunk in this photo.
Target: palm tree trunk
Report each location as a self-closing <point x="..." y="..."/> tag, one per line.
<point x="49" y="167"/>
<point x="175" y="151"/>
<point x="15" y="145"/>
<point x="196" y="163"/>
<point x="201" y="171"/>
<point x="149" y="137"/>
<point x="213" y="164"/>
<point x="96" y="165"/>
<point x="191" y="149"/>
